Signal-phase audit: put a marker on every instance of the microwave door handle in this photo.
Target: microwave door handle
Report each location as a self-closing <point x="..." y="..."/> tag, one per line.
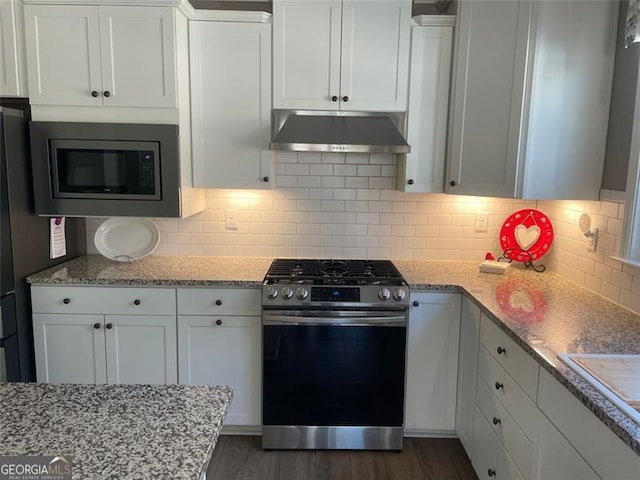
<point x="395" y="321"/>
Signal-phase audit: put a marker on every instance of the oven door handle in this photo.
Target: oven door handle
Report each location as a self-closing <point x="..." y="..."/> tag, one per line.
<point x="383" y="321"/>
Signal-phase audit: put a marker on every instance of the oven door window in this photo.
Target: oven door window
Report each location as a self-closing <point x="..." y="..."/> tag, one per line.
<point x="96" y="169"/>
<point x="333" y="375"/>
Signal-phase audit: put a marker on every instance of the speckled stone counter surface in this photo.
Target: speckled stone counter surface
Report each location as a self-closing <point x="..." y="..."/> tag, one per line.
<point x="115" y="431"/>
<point x="546" y="315"/>
<point x="157" y="270"/>
<point x="550" y="316"/>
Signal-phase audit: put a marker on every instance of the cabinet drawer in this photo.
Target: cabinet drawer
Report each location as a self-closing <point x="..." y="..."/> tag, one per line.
<point x="514" y="359"/>
<point x="490" y="460"/>
<point x="219" y="321"/>
<point x="513" y="439"/>
<point x="219" y="301"/>
<point x="506" y="389"/>
<point x="104" y="300"/>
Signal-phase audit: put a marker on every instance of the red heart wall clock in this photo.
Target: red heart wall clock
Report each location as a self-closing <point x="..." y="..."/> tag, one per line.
<point x="526" y="235"/>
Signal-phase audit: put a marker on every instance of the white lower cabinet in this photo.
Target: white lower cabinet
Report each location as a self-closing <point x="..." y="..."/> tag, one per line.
<point x="104" y="335"/>
<point x="224" y="351"/>
<point x="141" y="349"/>
<point x="556" y="459"/>
<point x="105" y="348"/>
<point x="526" y="425"/>
<point x="467" y="372"/>
<point x="223" y="348"/>
<point x="432" y="363"/>
<point x="69" y="348"/>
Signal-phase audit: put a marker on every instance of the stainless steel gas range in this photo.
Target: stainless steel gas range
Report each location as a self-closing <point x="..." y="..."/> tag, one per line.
<point x="334" y="350"/>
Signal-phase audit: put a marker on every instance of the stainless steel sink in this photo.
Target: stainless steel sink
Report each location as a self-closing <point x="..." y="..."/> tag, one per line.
<point x="617" y="377"/>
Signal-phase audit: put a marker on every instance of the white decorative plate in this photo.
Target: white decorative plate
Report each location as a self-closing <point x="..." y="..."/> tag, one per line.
<point x="126" y="239"/>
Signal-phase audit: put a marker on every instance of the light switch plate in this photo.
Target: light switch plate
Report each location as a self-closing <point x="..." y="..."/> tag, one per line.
<point x="482" y="222"/>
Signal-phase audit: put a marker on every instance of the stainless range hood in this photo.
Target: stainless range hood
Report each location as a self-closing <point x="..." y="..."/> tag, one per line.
<point x="338" y="131"/>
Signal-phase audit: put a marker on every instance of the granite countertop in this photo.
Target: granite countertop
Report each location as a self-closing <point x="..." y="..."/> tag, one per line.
<point x="157" y="270"/>
<point x="542" y="312"/>
<point x="115" y="431"/>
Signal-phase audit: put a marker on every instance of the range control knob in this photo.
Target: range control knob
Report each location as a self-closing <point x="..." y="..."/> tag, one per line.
<point x="272" y="292"/>
<point x="384" y="294"/>
<point x="399" y="294"/>
<point x="302" y="293"/>
<point x="287" y="293"/>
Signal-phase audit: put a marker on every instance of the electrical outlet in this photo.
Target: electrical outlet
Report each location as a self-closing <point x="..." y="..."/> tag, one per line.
<point x="231" y="219"/>
<point x="482" y="222"/>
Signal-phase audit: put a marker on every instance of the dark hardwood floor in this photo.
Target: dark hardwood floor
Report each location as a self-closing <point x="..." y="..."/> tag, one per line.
<point x="242" y="458"/>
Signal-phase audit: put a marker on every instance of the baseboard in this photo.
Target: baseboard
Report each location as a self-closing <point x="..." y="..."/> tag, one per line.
<point x="418" y="433"/>
<point x="242" y="430"/>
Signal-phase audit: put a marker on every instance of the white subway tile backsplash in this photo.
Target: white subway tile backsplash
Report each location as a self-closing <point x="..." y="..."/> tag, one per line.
<point x="347" y="206"/>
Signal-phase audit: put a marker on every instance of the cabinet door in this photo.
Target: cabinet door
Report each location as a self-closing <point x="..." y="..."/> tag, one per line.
<point x="306" y="54"/>
<point x="138" y="56"/>
<point x="432" y="361"/>
<point x="69" y="348"/>
<point x="11" y="49"/>
<point x="556" y="459"/>
<point x="224" y="351"/>
<point x="488" y="97"/>
<point x="427" y="110"/>
<point x="63" y="54"/>
<point x="230" y="104"/>
<point x="141" y="349"/>
<point x="467" y="372"/>
<point x="375" y="55"/>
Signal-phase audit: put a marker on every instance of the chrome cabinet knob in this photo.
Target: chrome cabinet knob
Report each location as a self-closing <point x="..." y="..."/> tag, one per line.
<point x="302" y="293"/>
<point x="399" y="294"/>
<point x="272" y="292"/>
<point x="384" y="294"/>
<point x="287" y="293"/>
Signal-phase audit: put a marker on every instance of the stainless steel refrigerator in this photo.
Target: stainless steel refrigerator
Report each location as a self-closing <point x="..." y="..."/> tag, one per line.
<point x="24" y="244"/>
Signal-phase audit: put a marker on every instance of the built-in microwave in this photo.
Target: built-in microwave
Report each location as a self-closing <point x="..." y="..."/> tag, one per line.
<point x="105" y="169"/>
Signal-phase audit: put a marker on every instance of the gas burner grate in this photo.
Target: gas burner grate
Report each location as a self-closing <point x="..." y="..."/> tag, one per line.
<point x="333" y="272"/>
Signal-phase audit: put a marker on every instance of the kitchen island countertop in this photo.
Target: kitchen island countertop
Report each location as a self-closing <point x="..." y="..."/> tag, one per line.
<point x="115" y="431"/>
<point x="544" y="313"/>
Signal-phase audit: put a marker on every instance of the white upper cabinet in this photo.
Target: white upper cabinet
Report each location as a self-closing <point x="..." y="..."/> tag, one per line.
<point x="117" y="56"/>
<point x="230" y="66"/>
<point x="13" y="78"/>
<point x="341" y="55"/>
<point x="530" y="98"/>
<point x="422" y="170"/>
